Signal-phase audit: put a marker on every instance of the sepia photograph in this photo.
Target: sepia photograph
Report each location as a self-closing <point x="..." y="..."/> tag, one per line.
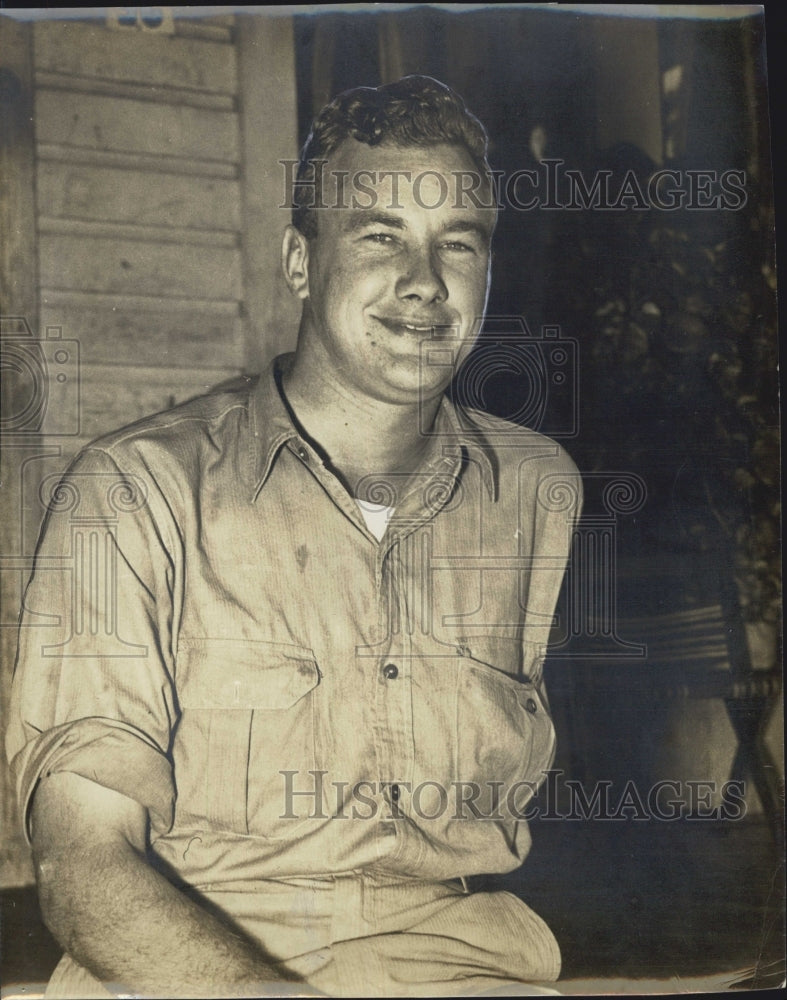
<point x="390" y="502"/>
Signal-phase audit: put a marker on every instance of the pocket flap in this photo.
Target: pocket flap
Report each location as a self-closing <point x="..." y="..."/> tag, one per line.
<point x="243" y="674"/>
<point x="522" y="660"/>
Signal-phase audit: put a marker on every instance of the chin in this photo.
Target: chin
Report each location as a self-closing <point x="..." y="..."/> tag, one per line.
<point x="414" y="391"/>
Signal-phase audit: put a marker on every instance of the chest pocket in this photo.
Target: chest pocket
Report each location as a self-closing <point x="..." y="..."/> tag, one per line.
<point x="505" y="735"/>
<point x="248" y="713"/>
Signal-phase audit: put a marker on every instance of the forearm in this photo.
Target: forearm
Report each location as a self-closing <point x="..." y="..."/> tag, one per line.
<point x="128" y="925"/>
<point x="119" y="917"/>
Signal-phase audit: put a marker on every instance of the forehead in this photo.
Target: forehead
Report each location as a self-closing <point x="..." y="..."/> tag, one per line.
<point x="443" y="156"/>
<point x="440" y="178"/>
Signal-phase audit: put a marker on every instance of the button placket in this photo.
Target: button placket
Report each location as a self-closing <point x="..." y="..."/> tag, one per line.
<point x="386" y="738"/>
<point x="395" y="691"/>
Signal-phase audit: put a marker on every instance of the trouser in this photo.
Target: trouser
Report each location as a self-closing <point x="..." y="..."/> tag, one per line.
<point x="370" y="934"/>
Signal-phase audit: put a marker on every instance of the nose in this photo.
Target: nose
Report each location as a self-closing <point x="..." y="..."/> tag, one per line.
<point x="420" y="280"/>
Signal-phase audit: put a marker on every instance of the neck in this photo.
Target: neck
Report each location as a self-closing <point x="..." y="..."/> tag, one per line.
<point x="358" y="434"/>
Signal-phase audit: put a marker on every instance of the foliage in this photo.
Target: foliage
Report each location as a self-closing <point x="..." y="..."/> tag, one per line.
<point x="676" y="316"/>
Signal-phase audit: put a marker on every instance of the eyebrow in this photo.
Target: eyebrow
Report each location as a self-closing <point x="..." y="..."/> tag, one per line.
<point x="363" y="218"/>
<point x="464" y="226"/>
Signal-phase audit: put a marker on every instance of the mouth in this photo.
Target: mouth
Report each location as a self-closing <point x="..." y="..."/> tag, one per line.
<point x="414" y="327"/>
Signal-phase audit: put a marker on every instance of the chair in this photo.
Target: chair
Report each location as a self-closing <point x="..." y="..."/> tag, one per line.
<point x="680" y="617"/>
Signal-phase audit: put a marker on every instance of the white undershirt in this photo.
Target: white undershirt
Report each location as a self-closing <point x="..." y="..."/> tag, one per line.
<point x="376" y="515"/>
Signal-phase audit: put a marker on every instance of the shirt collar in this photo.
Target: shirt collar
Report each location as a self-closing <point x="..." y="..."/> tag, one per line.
<point x="454" y="433"/>
<point x="459" y="433"/>
<point x="270" y="422"/>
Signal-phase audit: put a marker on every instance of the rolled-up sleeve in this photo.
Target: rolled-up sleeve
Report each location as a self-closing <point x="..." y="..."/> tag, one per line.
<point x="92" y="691"/>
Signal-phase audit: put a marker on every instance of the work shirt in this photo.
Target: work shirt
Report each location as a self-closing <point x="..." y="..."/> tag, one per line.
<point x="212" y="630"/>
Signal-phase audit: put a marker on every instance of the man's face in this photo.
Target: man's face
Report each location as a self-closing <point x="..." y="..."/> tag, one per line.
<point x="396" y="266"/>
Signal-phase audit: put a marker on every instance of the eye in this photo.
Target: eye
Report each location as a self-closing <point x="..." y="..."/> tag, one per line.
<point x="458" y="246"/>
<point x="381" y="238"/>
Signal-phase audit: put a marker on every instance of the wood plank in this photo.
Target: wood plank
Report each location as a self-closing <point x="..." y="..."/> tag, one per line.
<point x="115" y="395"/>
<point x="18" y="296"/>
<point x="17" y="198"/>
<point x="144" y="162"/>
<point x="131" y="231"/>
<point x="107" y="194"/>
<point x="210" y="20"/>
<point x="25" y="464"/>
<point x="124" y="266"/>
<point x="128" y="302"/>
<point x="96" y="122"/>
<point x="266" y="54"/>
<point x="136" y="91"/>
<point x="152" y="338"/>
<point x="202" y="29"/>
<point x="90" y="49"/>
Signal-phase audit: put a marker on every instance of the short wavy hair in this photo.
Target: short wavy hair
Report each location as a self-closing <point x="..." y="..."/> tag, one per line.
<point x="413" y="111"/>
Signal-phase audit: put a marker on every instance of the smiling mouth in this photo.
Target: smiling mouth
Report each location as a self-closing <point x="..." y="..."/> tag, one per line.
<point x="405" y="327"/>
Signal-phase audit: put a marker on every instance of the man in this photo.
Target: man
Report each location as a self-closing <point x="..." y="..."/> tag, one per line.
<point x="286" y="693"/>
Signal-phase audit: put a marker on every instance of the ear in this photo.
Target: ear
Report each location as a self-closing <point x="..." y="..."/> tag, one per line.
<point x="295" y="261"/>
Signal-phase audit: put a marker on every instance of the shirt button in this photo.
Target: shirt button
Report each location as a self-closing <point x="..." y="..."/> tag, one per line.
<point x="531" y="706"/>
<point x="394" y="793"/>
<point x="302" y="453"/>
<point x="390" y="671"/>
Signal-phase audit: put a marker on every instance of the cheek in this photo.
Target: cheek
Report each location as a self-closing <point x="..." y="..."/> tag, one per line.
<point x="467" y="284"/>
<point x="478" y="283"/>
<point x="351" y="286"/>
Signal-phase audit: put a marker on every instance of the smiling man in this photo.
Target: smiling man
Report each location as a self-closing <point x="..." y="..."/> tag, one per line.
<point x="279" y="691"/>
<point x="379" y="285"/>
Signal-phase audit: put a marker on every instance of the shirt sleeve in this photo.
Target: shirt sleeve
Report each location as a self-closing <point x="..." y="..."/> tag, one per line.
<point x="556" y="513"/>
<point x="92" y="691"/>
